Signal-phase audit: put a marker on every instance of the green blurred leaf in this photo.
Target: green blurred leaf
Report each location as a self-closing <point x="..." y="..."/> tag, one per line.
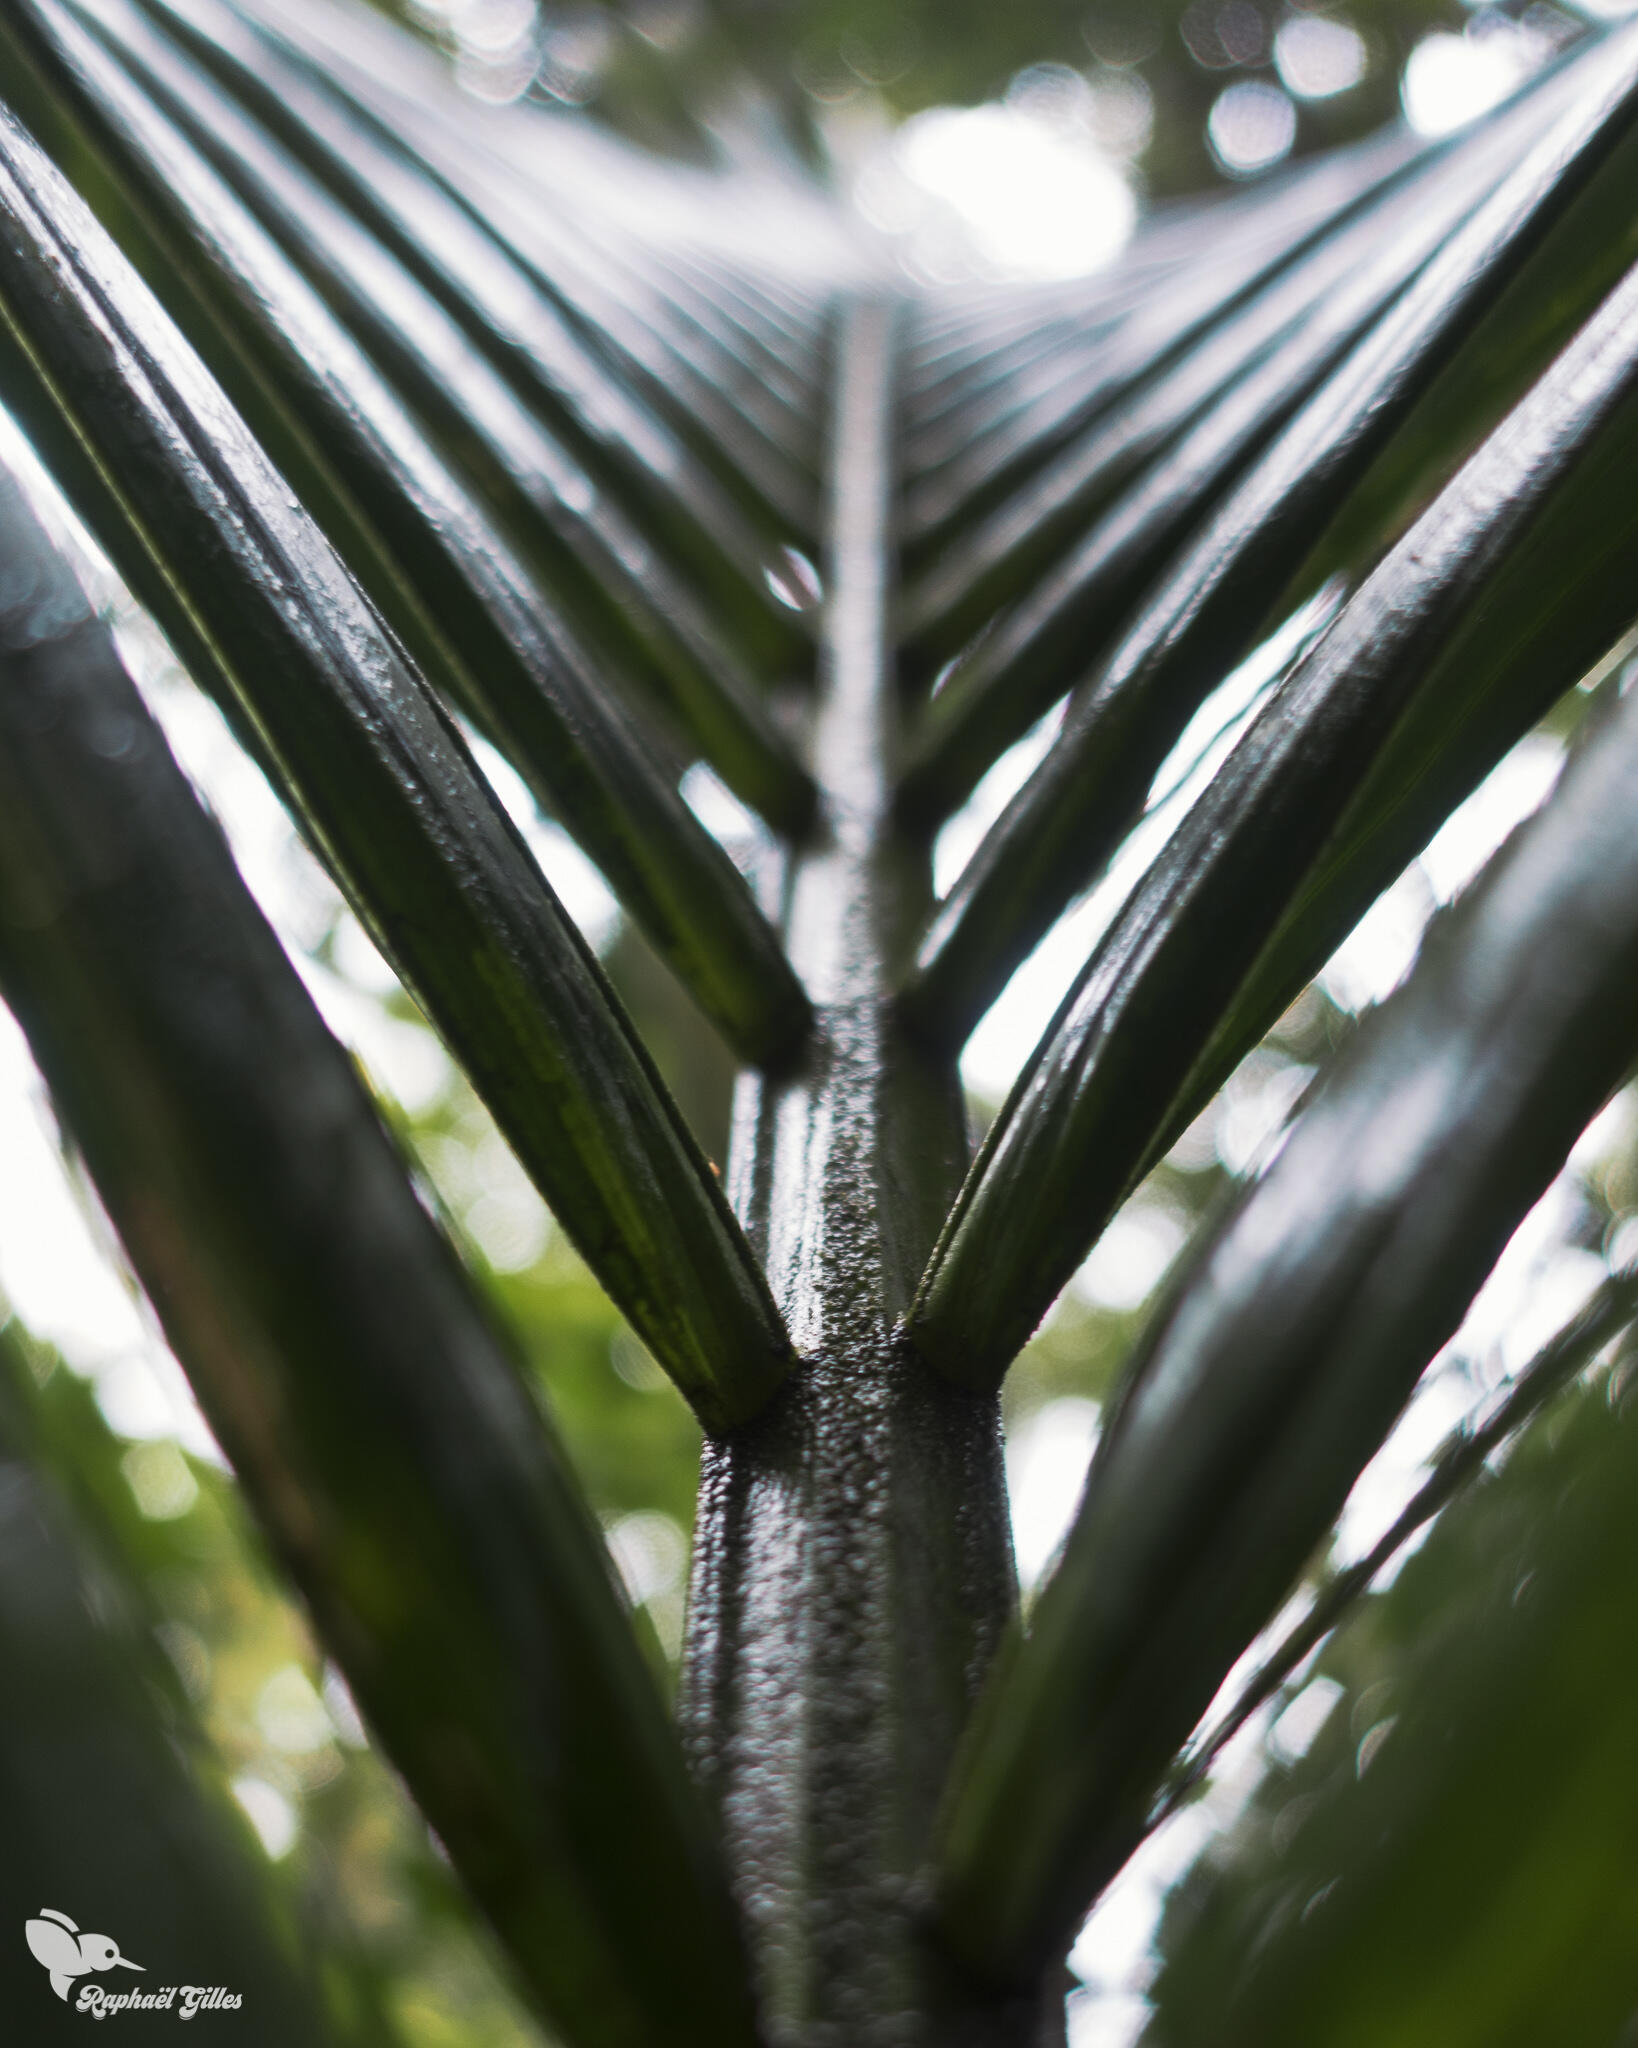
<point x="113" y="1812"/>
<point x="1450" y="1865"/>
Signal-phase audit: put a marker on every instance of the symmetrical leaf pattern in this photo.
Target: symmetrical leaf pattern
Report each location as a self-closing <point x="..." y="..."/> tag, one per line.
<point x="409" y="421"/>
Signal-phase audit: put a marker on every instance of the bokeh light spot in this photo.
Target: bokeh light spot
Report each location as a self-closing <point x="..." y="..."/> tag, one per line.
<point x="1317" y="58"/>
<point x="1251" y="127"/>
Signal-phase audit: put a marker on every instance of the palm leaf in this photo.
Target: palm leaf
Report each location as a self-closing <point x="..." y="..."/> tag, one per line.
<point x="491" y="293"/>
<point x="389" y="413"/>
<point x="367" y="1403"/>
<point x="1277" y="1366"/>
<point x="95" y="1743"/>
<point x="1500" y="1657"/>
<point x="1206" y="607"/>
<point x="1169" y="966"/>
<point x="1251" y="369"/>
<point x="1210" y="266"/>
<point x="440" y="574"/>
<point x="1455" y="1465"/>
<point x="658" y="642"/>
<point x="383" y="784"/>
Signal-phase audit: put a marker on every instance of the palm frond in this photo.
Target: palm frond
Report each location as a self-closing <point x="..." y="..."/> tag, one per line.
<point x="631" y="610"/>
<point x="1455" y="1465"/>
<point x="1183" y="283"/>
<point x="457" y="596"/>
<point x="395" y="417"/>
<point x="1277" y="1365"/>
<point x="1499" y="1660"/>
<point x="1204" y="610"/>
<point x="458" y="255"/>
<point x="369" y="1407"/>
<point x="96" y="1745"/>
<point x="382" y="782"/>
<point x="1066" y="1146"/>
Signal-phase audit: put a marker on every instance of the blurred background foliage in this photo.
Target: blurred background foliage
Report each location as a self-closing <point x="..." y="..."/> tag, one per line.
<point x="691" y="76"/>
<point x="1477" y="1886"/>
<point x="1443" y="1855"/>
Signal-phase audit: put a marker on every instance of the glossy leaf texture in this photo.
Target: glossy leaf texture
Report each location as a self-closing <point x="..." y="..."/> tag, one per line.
<point x="819" y="1717"/>
<point x="398" y="412"/>
<point x="656" y="639"/>
<point x="1039" y="607"/>
<point x="1190" y="278"/>
<point x="1251" y="368"/>
<point x="675" y="502"/>
<point x="437" y="569"/>
<point x="1205" y="610"/>
<point x="209" y="534"/>
<point x="373" y="1413"/>
<point x="1277" y="1364"/>
<point x="1101" y="1086"/>
<point x="621" y="598"/>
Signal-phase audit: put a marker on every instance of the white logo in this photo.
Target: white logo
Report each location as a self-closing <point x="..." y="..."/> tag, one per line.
<point x="58" y="1945"/>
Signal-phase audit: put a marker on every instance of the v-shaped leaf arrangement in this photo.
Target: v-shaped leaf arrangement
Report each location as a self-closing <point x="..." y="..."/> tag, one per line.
<point x="409" y="419"/>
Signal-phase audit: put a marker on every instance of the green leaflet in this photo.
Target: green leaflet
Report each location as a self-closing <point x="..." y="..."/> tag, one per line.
<point x="369" y="1407"/>
<point x="747" y="410"/>
<point x="672" y="498"/>
<point x="620" y="596"/>
<point x="442" y="576"/>
<point x="1277" y="1364"/>
<point x="1193" y="278"/>
<point x="1463" y="1824"/>
<point x="1206" y="608"/>
<point x="96" y="1745"/>
<point x="380" y="781"/>
<point x="1454" y="1466"/>
<point x="1247" y="371"/>
<point x="1102" y="1083"/>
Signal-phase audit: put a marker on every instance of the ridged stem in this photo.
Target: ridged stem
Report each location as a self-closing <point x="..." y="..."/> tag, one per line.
<point x="853" y="1563"/>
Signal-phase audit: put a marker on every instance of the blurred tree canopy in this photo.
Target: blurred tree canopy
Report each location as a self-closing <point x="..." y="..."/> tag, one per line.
<point x="668" y="72"/>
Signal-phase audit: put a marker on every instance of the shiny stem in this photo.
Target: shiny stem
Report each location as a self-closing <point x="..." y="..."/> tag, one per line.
<point x="853" y="1559"/>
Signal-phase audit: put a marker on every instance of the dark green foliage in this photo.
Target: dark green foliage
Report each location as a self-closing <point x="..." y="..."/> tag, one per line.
<point x="1068" y="1144"/>
<point x="1206" y="610"/>
<point x="1451" y="1862"/>
<point x="1258" y="1393"/>
<point x="373" y="1414"/>
<point x="443" y="881"/>
<point x="96" y="1742"/>
<point x="396" y="418"/>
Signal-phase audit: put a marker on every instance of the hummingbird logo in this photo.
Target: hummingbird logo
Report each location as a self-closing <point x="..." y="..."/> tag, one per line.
<point x="58" y="1946"/>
